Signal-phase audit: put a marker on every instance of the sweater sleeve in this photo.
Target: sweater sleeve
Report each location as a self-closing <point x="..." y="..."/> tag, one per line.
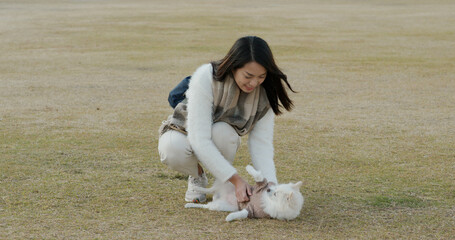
<point x="200" y="107"/>
<point x="260" y="145"/>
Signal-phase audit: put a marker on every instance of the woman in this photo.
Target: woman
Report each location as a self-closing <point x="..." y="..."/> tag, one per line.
<point x="229" y="98"/>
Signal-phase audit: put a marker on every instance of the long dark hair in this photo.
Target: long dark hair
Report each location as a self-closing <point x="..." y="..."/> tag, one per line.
<point x="255" y="49"/>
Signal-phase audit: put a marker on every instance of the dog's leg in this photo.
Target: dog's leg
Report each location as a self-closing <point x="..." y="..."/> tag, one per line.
<point x="221" y="205"/>
<point x="214" y="206"/>
<point x="257" y="175"/>
<point x="195" y="205"/>
<point x="237" y="215"/>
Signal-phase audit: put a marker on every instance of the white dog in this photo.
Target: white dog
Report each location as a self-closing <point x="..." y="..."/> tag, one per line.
<point x="268" y="200"/>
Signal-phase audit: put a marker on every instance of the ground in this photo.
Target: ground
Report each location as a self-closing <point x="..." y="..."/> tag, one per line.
<point x="83" y="90"/>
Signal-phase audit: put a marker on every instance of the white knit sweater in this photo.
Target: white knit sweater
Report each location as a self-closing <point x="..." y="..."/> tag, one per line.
<point x="200" y="104"/>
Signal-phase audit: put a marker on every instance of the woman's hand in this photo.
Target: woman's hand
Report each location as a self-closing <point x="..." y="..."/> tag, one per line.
<point x="242" y="188"/>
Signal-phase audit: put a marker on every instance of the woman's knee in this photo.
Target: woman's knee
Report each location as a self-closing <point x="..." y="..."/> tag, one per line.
<point x="226" y="139"/>
<point x="176" y="152"/>
<point x="171" y="146"/>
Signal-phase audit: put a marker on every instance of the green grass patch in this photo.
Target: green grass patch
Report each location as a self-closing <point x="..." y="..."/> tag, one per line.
<point x="83" y="89"/>
<point x="397" y="202"/>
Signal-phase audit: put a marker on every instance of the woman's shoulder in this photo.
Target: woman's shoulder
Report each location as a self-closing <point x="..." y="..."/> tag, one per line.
<point x="204" y="71"/>
<point x="205" y="68"/>
<point x="202" y="76"/>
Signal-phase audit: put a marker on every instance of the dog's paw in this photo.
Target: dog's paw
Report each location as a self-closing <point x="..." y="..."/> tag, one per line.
<point x="257" y="175"/>
<point x="250" y="169"/>
<point x="190" y="205"/>
<point x="230" y="218"/>
<point x="242" y="214"/>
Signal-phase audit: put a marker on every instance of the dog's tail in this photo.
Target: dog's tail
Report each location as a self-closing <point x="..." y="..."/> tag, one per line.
<point x="216" y="185"/>
<point x="204" y="190"/>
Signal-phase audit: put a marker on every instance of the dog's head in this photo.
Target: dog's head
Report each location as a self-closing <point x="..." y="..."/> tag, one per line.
<point x="283" y="201"/>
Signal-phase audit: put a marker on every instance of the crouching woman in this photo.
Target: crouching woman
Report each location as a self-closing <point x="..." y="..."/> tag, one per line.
<point x="226" y="99"/>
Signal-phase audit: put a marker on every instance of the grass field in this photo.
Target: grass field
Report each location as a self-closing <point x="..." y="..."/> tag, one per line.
<point x="83" y="90"/>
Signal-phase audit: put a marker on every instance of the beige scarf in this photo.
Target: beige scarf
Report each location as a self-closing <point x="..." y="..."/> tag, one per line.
<point x="239" y="109"/>
<point x="230" y="104"/>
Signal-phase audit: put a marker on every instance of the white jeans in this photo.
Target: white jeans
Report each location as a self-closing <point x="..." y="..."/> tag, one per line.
<point x="176" y="152"/>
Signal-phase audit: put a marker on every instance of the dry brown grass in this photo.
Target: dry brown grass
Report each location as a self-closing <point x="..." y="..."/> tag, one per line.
<point x="83" y="88"/>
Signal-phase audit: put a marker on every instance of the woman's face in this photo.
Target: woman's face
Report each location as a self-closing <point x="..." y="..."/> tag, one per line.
<point x="250" y="76"/>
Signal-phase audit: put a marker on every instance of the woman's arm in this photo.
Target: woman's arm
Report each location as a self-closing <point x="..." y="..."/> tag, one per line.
<point x="200" y="107"/>
<point x="260" y="144"/>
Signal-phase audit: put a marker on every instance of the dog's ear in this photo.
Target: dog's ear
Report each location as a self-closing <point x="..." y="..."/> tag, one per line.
<point x="297" y="185"/>
<point x="289" y="196"/>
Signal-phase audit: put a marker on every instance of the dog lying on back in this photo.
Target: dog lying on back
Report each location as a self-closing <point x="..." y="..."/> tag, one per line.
<point x="268" y="200"/>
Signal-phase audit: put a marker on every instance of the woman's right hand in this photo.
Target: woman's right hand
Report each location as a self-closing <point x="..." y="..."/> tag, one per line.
<point x="242" y="188"/>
